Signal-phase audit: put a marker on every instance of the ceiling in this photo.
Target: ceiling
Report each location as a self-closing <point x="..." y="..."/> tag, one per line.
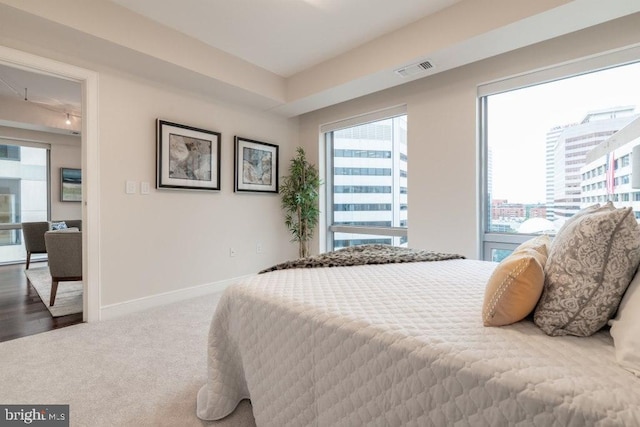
<point x="288" y="57"/>
<point x="281" y="36"/>
<point x="44" y="91"/>
<point x="285" y="36"/>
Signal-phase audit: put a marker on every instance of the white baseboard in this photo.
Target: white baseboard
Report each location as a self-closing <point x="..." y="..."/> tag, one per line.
<point x="133" y="306"/>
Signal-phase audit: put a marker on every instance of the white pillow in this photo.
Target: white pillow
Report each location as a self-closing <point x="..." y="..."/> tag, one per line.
<point x="625" y="328"/>
<point x="55" y="226"/>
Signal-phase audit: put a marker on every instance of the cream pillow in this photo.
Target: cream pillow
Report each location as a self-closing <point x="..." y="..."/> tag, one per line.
<point x="625" y="328"/>
<point x="539" y="243"/>
<point x="591" y="262"/>
<point x="516" y="284"/>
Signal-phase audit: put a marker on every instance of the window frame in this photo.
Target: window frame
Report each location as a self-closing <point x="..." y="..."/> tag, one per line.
<point x="326" y="132"/>
<point x="488" y="240"/>
<point x="16" y="227"/>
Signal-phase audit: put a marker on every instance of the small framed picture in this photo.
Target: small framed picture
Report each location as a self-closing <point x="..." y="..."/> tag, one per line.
<point x="187" y="157"/>
<point x="255" y="166"/>
<point x="70" y="185"/>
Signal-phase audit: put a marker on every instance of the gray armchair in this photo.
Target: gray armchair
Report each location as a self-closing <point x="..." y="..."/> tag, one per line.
<point x="65" y="258"/>
<point x="33" y="233"/>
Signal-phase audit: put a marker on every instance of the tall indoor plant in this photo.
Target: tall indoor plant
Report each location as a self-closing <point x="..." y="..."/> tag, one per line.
<point x="300" y="192"/>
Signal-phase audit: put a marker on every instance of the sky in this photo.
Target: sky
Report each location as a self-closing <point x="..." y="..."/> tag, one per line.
<point x="519" y="121"/>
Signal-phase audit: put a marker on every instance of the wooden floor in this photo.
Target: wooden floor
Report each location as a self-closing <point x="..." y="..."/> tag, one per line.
<point x="22" y="312"/>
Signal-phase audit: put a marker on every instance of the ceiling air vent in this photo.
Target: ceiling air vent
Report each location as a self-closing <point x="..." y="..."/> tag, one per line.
<point x="413" y="69"/>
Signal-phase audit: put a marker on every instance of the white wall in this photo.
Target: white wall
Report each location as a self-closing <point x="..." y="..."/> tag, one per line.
<point x="64" y="156"/>
<point x="171" y="240"/>
<point x="442" y="140"/>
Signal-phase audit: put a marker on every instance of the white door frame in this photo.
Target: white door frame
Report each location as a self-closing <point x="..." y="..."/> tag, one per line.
<point x="90" y="165"/>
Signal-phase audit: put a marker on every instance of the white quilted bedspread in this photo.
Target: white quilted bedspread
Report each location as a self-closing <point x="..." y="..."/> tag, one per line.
<point x="401" y="344"/>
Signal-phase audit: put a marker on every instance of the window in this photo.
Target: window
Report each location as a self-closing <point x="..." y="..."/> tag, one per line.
<point x="350" y="240"/>
<point x="364" y="153"/>
<point x="10" y="152"/>
<point x="362" y="189"/>
<point x="366" y="223"/>
<point x="366" y="181"/>
<point x="350" y="207"/>
<point x="363" y="171"/>
<point x="548" y="152"/>
<point x="24" y="195"/>
<point x="10" y="208"/>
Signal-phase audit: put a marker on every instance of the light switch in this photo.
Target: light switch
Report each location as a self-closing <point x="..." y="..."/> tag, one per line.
<point x="131" y="187"/>
<point x="144" y="187"/>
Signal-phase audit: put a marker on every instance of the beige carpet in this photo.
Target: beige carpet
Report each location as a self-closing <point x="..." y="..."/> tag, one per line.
<point x="68" y="297"/>
<point x="140" y="370"/>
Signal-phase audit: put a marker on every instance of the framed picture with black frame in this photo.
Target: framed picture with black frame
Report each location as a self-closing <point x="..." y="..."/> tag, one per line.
<point x="255" y="166"/>
<point x="187" y="157"/>
<point x="70" y="185"/>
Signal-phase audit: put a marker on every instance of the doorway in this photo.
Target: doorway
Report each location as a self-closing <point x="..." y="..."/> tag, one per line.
<point x="88" y="81"/>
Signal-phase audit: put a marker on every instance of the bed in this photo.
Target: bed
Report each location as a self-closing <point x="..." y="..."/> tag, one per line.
<point x="401" y="344"/>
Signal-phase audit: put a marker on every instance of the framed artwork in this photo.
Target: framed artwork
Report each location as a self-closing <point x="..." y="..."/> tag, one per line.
<point x="70" y="185"/>
<point x="255" y="166"/>
<point x="187" y="157"/>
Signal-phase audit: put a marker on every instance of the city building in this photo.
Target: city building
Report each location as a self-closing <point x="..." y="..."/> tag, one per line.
<point x="569" y="154"/>
<point x="510" y="217"/>
<point x="502" y="209"/>
<point x="370" y="180"/>
<point x="552" y="140"/>
<point x="607" y="174"/>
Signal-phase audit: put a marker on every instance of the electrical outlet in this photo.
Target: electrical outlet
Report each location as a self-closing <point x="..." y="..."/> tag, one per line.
<point x="258" y="248"/>
<point x="232" y="252"/>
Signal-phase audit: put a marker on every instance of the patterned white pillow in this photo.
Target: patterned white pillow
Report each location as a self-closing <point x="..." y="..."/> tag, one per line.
<point x="591" y="262"/>
<point x="586" y="211"/>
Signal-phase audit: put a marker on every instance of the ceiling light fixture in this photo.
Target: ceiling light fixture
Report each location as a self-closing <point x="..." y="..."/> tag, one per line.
<point x="68" y="122"/>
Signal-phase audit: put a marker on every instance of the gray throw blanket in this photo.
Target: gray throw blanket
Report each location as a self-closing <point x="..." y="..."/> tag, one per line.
<point x="362" y="255"/>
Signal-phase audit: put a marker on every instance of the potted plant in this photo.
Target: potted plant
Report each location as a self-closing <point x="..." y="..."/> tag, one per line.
<point x="300" y="192"/>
